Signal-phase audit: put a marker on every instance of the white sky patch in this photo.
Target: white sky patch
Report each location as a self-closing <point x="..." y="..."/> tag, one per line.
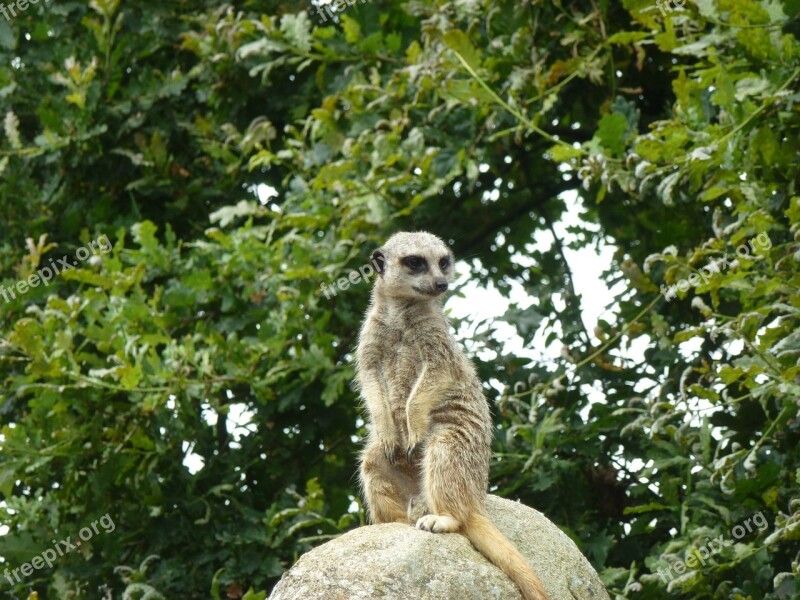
<point x="192" y="461"/>
<point x="594" y="394"/>
<point x="208" y="414"/>
<point x="636" y="348"/>
<point x="4" y="528"/>
<point x="586" y="264"/>
<point x="240" y="423"/>
<point x="264" y="193"/>
<point x="734" y="348"/>
<point x="691" y="346"/>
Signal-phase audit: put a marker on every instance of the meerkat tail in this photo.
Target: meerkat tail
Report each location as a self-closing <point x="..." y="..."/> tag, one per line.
<point x="490" y="542"/>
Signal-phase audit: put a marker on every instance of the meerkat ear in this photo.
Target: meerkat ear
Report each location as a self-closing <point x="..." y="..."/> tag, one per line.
<point x="379" y="261"/>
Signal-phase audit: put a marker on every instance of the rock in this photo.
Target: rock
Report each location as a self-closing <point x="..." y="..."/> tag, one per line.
<point x="394" y="561"/>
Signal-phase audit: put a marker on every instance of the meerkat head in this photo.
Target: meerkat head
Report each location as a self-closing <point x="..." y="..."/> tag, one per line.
<point x="413" y="266"/>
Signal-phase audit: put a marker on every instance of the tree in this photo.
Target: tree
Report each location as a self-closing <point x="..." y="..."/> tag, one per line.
<point x="677" y="126"/>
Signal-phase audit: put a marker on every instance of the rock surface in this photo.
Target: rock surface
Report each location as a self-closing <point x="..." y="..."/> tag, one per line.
<point x="395" y="561"/>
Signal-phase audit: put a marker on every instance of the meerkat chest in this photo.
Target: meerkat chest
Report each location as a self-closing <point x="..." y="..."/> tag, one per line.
<point x="397" y="358"/>
<point x="400" y="371"/>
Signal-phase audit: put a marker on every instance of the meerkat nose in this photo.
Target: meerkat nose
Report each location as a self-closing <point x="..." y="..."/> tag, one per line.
<point x="440" y="284"/>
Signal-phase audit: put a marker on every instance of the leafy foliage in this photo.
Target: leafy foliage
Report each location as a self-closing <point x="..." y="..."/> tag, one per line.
<point x="205" y="334"/>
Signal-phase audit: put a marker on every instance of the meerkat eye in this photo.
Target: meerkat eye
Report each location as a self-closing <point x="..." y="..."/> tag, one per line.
<point x="444" y="263"/>
<point x="415" y="263"/>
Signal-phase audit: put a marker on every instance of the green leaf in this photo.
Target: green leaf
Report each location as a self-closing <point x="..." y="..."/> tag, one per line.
<point x="793" y="212"/>
<point x="198" y="280"/>
<point x="130" y="376"/>
<point x="352" y="30"/>
<point x="645" y="508"/>
<point x="688" y="334"/>
<point x="626" y="37"/>
<point x="144" y="234"/>
<point x="766" y="144"/>
<point x="19" y="547"/>
<point x="8" y="477"/>
<point x="7" y="38"/>
<point x="459" y="41"/>
<point x="467" y="91"/>
<point x="730" y="374"/>
<point x="562" y="153"/>
<point x="611" y="132"/>
<point x="713" y="193"/>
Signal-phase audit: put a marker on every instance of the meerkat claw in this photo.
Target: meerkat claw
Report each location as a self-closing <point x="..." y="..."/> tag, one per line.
<point x="390" y="452"/>
<point x="411" y="453"/>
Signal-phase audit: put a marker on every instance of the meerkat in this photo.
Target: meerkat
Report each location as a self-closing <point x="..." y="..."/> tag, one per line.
<point x="426" y="460"/>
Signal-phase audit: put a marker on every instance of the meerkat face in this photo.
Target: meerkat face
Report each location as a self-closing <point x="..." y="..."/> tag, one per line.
<point x="415" y="265"/>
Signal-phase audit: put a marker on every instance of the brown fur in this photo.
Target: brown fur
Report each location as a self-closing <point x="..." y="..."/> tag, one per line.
<point x="427" y="458"/>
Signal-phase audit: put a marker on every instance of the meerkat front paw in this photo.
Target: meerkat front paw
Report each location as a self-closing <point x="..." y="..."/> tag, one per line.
<point x="390" y="450"/>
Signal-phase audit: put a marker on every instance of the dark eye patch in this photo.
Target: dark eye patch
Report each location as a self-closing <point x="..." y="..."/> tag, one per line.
<point x="416" y="263"/>
<point x="444" y="262"/>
